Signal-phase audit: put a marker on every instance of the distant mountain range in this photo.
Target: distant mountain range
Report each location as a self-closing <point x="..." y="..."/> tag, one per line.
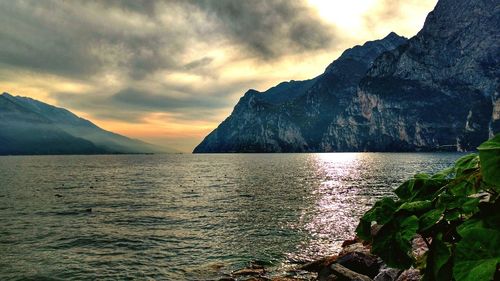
<point x="28" y="126"/>
<point x="436" y="91"/>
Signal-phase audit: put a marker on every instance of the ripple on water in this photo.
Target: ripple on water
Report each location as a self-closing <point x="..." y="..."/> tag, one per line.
<point x="185" y="217"/>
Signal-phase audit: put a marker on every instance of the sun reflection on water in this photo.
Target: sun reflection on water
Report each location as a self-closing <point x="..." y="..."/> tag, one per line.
<point x="336" y="202"/>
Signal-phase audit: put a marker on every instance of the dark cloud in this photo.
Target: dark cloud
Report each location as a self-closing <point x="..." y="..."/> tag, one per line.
<point x="136" y="39"/>
<point x="133" y="104"/>
<point x="198" y="63"/>
<point x="270" y="29"/>
<point x="82" y="38"/>
<point x="143" y="99"/>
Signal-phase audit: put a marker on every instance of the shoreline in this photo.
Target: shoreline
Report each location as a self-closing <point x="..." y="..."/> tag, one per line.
<point x="354" y="262"/>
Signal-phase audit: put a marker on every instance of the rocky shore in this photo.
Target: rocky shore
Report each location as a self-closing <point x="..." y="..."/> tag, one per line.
<point x="353" y="263"/>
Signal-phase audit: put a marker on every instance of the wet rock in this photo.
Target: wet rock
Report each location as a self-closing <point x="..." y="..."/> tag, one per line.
<point x="344" y="273"/>
<point x="287" y="279"/>
<point x="387" y="274"/>
<point x="249" y="272"/>
<point x="356" y="247"/>
<point x="362" y="263"/>
<point x="260" y="278"/>
<point x="318" y="265"/>
<point x="410" y="275"/>
<point x="419" y="247"/>
<point x="350" y="242"/>
<point x="331" y="277"/>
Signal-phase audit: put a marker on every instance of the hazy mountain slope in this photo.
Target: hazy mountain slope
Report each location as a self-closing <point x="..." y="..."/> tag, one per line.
<point x="437" y="91"/>
<point x="28" y="126"/>
<point x="292" y="116"/>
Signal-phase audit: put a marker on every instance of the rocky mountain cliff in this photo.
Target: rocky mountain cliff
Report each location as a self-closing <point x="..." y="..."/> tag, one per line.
<point x="436" y="91"/>
<point x="28" y="126"/>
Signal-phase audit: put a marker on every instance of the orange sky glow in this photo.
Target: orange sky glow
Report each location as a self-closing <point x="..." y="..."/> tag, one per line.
<point x="215" y="75"/>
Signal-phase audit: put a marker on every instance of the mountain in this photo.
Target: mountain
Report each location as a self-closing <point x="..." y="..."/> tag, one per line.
<point x="436" y="91"/>
<point x="292" y="116"/>
<point x="29" y="126"/>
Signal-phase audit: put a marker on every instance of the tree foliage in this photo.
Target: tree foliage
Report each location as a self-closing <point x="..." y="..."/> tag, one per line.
<point x="456" y="211"/>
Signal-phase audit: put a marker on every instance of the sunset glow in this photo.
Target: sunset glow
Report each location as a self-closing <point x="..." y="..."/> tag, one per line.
<point x="169" y="78"/>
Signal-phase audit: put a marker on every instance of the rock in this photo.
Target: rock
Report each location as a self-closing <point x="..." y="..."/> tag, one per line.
<point x="357" y="247"/>
<point x="249" y="272"/>
<point x="387" y="274"/>
<point x="58" y="195"/>
<point x="260" y="278"/>
<point x="318" y="265"/>
<point x="419" y="246"/>
<point x="350" y="242"/>
<point x="436" y="91"/>
<point x="227" y="278"/>
<point x="362" y="263"/>
<point x="410" y="275"/>
<point x="343" y="273"/>
<point x="293" y="116"/>
<point x="331" y="277"/>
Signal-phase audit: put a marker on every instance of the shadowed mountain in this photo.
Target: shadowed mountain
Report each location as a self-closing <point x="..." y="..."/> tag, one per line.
<point x="292" y="116"/>
<point x="436" y="91"/>
<point x="32" y="127"/>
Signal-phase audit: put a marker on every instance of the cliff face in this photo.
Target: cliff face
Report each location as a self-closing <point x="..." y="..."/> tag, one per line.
<point x="437" y="91"/>
<point x="292" y="116"/>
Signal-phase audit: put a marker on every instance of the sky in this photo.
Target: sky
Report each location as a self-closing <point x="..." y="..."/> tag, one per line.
<point x="168" y="72"/>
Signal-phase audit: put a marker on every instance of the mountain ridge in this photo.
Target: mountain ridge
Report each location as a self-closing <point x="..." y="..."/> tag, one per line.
<point x="33" y="127"/>
<point x="306" y="98"/>
<point x="436" y="91"/>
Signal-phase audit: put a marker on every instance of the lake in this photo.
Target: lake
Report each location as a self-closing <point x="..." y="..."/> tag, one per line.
<point x="186" y="217"/>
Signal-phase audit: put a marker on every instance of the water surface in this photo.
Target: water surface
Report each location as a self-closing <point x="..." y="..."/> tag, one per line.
<point x="186" y="217"/>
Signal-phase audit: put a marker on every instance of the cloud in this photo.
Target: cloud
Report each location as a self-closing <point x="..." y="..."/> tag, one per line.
<point x="198" y="63"/>
<point x="270" y="29"/>
<point x="136" y="38"/>
<point x="124" y="60"/>
<point x="403" y="17"/>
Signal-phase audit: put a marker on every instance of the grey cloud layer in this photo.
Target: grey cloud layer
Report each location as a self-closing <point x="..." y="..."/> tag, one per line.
<point x="134" y="39"/>
<point x="270" y="28"/>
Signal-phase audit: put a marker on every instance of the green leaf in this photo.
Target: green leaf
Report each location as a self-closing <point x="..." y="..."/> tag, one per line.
<point x="416" y="207"/>
<point x="489" y="154"/>
<point x="477" y="254"/>
<point x="420" y="188"/>
<point x="450" y="202"/>
<point x="480" y="220"/>
<point x="465" y="186"/>
<point x="363" y="230"/>
<point x="444" y="174"/>
<point x="439" y="262"/>
<point x="452" y="215"/>
<point x="429" y="219"/>
<point x="466" y="163"/>
<point x="393" y="241"/>
<point x="381" y="212"/>
<point x="470" y="205"/>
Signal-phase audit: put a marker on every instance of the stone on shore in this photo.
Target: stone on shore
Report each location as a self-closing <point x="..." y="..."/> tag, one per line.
<point x="343" y="273"/>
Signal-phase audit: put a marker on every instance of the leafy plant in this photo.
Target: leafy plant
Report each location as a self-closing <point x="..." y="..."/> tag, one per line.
<point x="457" y="213"/>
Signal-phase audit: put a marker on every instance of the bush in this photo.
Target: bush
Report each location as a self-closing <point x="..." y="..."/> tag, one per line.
<point x="457" y="213"/>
